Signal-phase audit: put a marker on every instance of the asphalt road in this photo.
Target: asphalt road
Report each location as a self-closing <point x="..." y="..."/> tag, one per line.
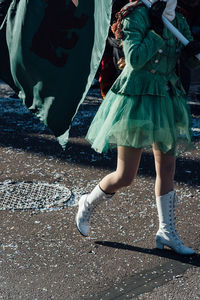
<point x="42" y="255"/>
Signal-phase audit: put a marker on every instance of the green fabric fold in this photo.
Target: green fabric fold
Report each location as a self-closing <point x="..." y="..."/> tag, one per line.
<point x="53" y="50"/>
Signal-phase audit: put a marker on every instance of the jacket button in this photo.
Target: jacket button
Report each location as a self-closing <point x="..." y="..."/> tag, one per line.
<point x="156" y="61"/>
<point x="160" y="51"/>
<point x="153" y="71"/>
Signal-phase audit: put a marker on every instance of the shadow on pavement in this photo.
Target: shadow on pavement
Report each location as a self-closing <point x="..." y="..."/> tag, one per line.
<point x="79" y="152"/>
<point x="193" y="260"/>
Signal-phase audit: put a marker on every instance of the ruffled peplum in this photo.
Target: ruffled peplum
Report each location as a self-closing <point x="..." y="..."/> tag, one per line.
<point x="146" y="82"/>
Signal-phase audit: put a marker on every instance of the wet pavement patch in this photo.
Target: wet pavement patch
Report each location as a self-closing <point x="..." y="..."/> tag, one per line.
<point x="32" y="195"/>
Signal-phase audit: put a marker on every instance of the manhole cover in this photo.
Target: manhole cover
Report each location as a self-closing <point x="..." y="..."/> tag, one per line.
<point x="32" y="195"/>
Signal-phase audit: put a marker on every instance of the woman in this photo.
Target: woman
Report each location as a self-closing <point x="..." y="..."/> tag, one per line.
<point x="145" y="106"/>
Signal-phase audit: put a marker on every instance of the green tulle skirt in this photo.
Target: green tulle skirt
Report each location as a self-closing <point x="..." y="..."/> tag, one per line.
<point x="140" y="122"/>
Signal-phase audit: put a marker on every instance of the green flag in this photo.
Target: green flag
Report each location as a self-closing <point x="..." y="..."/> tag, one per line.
<point x="50" y="51"/>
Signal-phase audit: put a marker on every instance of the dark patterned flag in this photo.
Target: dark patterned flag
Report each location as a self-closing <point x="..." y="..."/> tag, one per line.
<point x="50" y="51"/>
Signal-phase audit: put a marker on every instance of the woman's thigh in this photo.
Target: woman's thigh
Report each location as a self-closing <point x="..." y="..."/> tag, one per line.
<point x="164" y="163"/>
<point x="128" y="160"/>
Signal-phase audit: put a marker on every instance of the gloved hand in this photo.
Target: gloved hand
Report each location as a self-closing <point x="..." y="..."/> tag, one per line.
<point x="155" y="15"/>
<point x="192" y="48"/>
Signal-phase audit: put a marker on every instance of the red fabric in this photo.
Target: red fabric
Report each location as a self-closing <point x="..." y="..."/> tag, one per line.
<point x="107" y="74"/>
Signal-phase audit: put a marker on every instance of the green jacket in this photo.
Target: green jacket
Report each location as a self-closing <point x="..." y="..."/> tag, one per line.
<point x="150" y="59"/>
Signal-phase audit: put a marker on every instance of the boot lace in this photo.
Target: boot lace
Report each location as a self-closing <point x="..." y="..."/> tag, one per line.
<point x="87" y="212"/>
<point x="174" y="232"/>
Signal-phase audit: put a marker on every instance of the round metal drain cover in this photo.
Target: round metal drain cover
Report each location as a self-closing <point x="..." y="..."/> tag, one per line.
<point x="32" y="195"/>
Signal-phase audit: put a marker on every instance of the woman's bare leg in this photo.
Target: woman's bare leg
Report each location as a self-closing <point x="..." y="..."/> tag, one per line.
<point x="165" y="169"/>
<point x="128" y="160"/>
<point x="127" y="166"/>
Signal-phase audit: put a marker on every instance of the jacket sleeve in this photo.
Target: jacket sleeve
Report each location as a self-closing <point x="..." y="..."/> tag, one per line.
<point x="140" y="43"/>
<point x="192" y="62"/>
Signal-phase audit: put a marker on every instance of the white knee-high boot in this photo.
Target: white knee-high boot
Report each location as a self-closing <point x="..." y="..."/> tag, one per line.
<point x="86" y="205"/>
<point x="167" y="234"/>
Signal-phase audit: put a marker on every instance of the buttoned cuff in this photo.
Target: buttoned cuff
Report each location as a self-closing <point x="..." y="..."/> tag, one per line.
<point x="159" y="41"/>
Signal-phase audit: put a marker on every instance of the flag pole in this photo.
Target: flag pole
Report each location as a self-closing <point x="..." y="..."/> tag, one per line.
<point x="172" y="28"/>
